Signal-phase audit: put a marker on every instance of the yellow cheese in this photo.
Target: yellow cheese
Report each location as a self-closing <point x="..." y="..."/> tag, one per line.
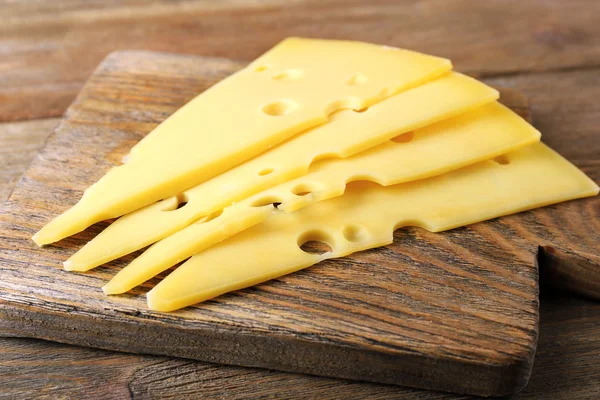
<point x="294" y="86"/>
<point x="348" y="132"/>
<point x="477" y="135"/>
<point x="366" y="216"/>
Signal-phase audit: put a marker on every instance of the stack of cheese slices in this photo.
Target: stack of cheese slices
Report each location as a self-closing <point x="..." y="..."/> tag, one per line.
<point x="242" y="176"/>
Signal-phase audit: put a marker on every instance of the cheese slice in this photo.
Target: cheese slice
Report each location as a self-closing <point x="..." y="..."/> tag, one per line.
<point x="292" y="87"/>
<point x="486" y="132"/>
<point x="366" y="216"/>
<point x="348" y="132"/>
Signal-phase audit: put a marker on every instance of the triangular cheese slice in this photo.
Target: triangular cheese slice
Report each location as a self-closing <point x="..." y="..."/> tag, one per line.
<point x="348" y="132"/>
<point x="291" y="88"/>
<point x="477" y="135"/>
<point x="366" y="216"/>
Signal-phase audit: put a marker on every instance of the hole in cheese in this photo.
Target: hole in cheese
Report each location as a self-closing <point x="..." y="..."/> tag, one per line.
<point x="261" y="68"/>
<point x="354" y="233"/>
<point x="405" y="223"/>
<point x="362" y="110"/>
<point x="315" y="242"/>
<point x="209" y="217"/>
<point x="502" y="160"/>
<point x="279" y="108"/>
<point x="289" y="75"/>
<point x="357" y="79"/>
<point x="265" y="171"/>
<point x="351" y="102"/>
<point x="264" y="201"/>
<point x="404" y="138"/>
<point x="182" y="200"/>
<point x="302" y="189"/>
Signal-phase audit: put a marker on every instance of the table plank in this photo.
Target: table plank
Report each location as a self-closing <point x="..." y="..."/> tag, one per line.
<point x="49" y="48"/>
<point x="19" y="143"/>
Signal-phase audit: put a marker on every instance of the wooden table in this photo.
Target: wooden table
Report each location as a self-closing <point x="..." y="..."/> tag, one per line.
<point x="550" y="50"/>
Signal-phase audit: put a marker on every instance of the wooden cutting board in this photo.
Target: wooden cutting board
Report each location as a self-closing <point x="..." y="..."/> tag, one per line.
<point x="456" y="311"/>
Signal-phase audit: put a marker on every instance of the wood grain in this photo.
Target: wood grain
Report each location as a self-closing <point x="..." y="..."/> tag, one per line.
<point x="19" y="143"/>
<point x="565" y="368"/>
<point x="49" y="48"/>
<point x="577" y="273"/>
<point x="456" y="311"/>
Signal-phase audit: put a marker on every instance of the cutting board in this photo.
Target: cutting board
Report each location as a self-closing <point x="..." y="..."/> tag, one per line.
<point x="456" y="311"/>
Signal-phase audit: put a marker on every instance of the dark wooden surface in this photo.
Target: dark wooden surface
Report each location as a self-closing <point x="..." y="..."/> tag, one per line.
<point x="546" y="49"/>
<point x="455" y="311"/>
<point x="566" y="367"/>
<point x="569" y="271"/>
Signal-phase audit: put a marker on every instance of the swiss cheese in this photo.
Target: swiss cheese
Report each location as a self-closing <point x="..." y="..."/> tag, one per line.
<point x="366" y="217"/>
<point x="347" y="133"/>
<point x="486" y="132"/>
<point x="291" y="88"/>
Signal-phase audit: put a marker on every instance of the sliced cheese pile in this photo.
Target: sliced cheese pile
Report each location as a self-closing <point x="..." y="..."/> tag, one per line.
<point x="249" y="170"/>
<point x="429" y="151"/>
<point x="366" y="216"/>
<point x="347" y="133"/>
